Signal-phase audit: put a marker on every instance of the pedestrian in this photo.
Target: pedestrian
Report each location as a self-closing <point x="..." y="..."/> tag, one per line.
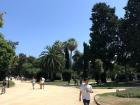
<point x="33" y="83"/>
<point x="4" y="83"/>
<point x="40" y="83"/>
<point x="43" y="82"/>
<point x="85" y="90"/>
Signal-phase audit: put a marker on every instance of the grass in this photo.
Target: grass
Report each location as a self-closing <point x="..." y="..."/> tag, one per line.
<point x="126" y="97"/>
<point x="111" y="85"/>
<point x="64" y="83"/>
<point x="129" y="93"/>
<point x="11" y="83"/>
<point x="108" y="85"/>
<point x="60" y="83"/>
<point x="113" y="100"/>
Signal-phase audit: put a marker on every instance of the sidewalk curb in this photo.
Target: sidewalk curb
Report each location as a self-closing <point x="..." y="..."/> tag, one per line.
<point x="95" y="100"/>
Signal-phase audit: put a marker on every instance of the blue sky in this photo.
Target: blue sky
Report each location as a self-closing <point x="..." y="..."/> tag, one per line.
<point x="38" y="23"/>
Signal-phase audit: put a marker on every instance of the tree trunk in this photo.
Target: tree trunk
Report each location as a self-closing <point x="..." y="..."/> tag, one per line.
<point x="51" y="75"/>
<point x="71" y="60"/>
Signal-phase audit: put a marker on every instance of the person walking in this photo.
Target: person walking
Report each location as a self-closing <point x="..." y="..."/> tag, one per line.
<point x="4" y="83"/>
<point x="43" y="82"/>
<point x="85" y="90"/>
<point x="33" y="83"/>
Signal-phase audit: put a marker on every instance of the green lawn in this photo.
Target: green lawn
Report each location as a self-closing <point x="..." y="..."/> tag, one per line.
<point x="108" y="85"/>
<point x="129" y="96"/>
<point x="111" y="85"/>
<point x="65" y="83"/>
<point x="60" y="83"/>
<point x="129" y="93"/>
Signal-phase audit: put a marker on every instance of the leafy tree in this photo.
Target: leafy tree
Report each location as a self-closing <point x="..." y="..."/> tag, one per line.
<point x="78" y="62"/>
<point x="67" y="74"/>
<point x="29" y="70"/>
<point x="13" y="44"/>
<point x="67" y="57"/>
<point x="21" y="60"/>
<point x="14" y="66"/>
<point x="98" y="70"/>
<point x="52" y="61"/>
<point x="103" y="34"/>
<point x="31" y="60"/>
<point x="123" y="50"/>
<point x="6" y="56"/>
<point x="131" y="27"/>
<point x="7" y="53"/>
<point x="86" y="59"/>
<point x="1" y="19"/>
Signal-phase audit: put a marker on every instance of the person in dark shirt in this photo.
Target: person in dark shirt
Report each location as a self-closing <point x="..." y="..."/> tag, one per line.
<point x="3" y="87"/>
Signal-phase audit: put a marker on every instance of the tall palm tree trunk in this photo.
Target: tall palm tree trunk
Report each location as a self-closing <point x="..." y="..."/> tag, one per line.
<point x="71" y="59"/>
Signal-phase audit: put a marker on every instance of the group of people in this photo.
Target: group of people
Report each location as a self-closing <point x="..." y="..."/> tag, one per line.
<point x="85" y="89"/>
<point x="42" y="83"/>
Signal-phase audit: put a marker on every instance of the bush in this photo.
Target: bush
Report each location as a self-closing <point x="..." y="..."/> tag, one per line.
<point x="66" y="75"/>
<point x="57" y="76"/>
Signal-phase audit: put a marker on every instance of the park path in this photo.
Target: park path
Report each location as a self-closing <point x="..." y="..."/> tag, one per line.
<point x="22" y="94"/>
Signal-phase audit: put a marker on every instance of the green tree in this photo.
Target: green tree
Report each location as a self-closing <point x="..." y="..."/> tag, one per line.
<point x="86" y="59"/>
<point x="29" y="70"/>
<point x="14" y="66"/>
<point x="6" y="56"/>
<point x="103" y="34"/>
<point x="32" y="60"/>
<point x="67" y="57"/>
<point x="132" y="31"/>
<point x="52" y="61"/>
<point x="123" y="52"/>
<point x="1" y="19"/>
<point x="98" y="70"/>
<point x="13" y="44"/>
<point x="21" y="60"/>
<point x="78" y="63"/>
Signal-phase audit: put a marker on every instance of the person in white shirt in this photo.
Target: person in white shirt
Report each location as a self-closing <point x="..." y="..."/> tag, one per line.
<point x="33" y="82"/>
<point x="42" y="83"/>
<point x="85" y="90"/>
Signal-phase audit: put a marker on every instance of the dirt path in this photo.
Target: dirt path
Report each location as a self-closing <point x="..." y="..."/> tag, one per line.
<point x="22" y="94"/>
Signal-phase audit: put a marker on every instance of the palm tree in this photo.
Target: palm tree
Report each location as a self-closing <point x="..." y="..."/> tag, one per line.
<point x="58" y="45"/>
<point x="72" y="45"/>
<point x="52" y="60"/>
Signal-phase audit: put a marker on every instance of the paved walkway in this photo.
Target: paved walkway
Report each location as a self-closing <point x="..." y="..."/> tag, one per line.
<point x="22" y="94"/>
